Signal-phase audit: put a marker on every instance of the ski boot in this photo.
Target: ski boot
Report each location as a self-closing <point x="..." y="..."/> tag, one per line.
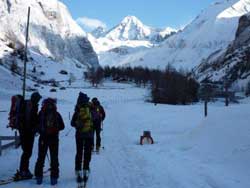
<point x="53" y="181"/>
<point x="39" y="180"/>
<point x="23" y="175"/>
<point x="97" y="149"/>
<point x="85" y="175"/>
<point x="79" y="176"/>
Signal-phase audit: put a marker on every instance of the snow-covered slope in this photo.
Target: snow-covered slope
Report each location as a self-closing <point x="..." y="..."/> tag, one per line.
<point x="209" y="32"/>
<point x="53" y="32"/>
<point x="234" y="63"/>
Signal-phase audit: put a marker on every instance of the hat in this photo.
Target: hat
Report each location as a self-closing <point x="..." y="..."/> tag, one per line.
<point x="95" y="101"/>
<point x="35" y="97"/>
<point x="82" y="98"/>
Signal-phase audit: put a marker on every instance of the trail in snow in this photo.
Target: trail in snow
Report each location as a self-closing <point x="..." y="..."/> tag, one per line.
<point x="189" y="151"/>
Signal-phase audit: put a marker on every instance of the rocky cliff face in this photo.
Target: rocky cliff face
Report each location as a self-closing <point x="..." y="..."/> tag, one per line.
<point x="53" y="32"/>
<point x="234" y="63"/>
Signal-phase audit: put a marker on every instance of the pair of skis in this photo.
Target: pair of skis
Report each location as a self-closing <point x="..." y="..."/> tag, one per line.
<point x="17" y="178"/>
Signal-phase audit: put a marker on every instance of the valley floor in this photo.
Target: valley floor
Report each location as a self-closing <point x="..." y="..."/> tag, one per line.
<point x="190" y="151"/>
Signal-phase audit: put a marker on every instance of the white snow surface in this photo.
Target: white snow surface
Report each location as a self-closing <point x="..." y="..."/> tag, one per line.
<point x="189" y="151"/>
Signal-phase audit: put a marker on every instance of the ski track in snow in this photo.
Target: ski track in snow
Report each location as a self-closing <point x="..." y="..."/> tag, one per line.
<point x="123" y="163"/>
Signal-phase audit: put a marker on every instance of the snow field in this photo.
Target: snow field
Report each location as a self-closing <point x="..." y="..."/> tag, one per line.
<point x="189" y="152"/>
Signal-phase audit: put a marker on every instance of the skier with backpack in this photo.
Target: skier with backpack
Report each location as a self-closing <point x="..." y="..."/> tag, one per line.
<point x="23" y="116"/>
<point x="98" y="115"/>
<point x="50" y="124"/>
<point x="82" y="122"/>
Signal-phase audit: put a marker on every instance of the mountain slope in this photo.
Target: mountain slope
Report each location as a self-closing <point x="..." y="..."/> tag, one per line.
<point x="234" y="63"/>
<point x="210" y="32"/>
<point x="130" y="35"/>
<point x="130" y="28"/>
<point x="53" y="32"/>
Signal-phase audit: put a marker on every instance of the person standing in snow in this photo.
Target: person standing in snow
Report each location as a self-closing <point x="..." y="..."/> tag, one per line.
<point x="98" y="115"/>
<point x="50" y="123"/>
<point x="82" y="122"/>
<point x="27" y="133"/>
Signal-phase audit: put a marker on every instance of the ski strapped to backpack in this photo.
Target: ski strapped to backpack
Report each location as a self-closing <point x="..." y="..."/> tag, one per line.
<point x="16" y="114"/>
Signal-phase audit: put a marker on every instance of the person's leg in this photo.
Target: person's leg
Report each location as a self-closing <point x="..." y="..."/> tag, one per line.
<point x="87" y="153"/>
<point x="27" y="142"/>
<point x="79" y="152"/>
<point x="93" y="138"/>
<point x="42" y="151"/>
<point x="54" y="162"/>
<point x="98" y="136"/>
<point x="23" y="146"/>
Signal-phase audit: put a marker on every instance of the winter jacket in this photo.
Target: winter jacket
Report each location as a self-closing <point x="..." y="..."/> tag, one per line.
<point x="52" y="131"/>
<point x="80" y="130"/>
<point x="99" y="116"/>
<point x="30" y="117"/>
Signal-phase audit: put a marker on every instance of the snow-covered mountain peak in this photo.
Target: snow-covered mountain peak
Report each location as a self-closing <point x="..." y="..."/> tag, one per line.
<point x="209" y="33"/>
<point x="130" y="28"/>
<point x="132" y="20"/>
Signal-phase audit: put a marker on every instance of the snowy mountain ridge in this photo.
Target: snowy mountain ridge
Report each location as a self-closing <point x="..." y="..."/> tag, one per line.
<point x="233" y="64"/>
<point x="56" y="42"/>
<point x="131" y="28"/>
<point x="209" y="33"/>
<point x="130" y="33"/>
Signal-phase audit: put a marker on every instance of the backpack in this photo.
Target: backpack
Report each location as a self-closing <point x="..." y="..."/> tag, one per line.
<point x="48" y="117"/>
<point x="84" y="119"/>
<point x="16" y="112"/>
<point x="96" y="113"/>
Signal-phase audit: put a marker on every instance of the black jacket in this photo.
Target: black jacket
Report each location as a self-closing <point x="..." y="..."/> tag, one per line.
<point x="29" y="117"/>
<point x="44" y="130"/>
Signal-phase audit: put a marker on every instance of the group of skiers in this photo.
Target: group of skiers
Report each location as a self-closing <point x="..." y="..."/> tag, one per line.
<point x="87" y="120"/>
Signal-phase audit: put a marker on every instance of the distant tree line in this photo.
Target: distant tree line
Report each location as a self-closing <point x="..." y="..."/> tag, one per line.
<point x="95" y="76"/>
<point x="167" y="86"/>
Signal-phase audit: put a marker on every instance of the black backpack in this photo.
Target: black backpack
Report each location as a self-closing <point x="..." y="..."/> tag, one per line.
<point x="49" y="121"/>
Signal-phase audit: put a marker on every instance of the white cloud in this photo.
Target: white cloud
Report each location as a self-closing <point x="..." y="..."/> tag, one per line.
<point x="90" y="23"/>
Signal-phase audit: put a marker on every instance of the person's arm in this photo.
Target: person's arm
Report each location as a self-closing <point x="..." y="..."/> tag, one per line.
<point x="73" y="121"/>
<point x="103" y="113"/>
<point x="35" y="117"/>
<point x="38" y="127"/>
<point x="61" y="123"/>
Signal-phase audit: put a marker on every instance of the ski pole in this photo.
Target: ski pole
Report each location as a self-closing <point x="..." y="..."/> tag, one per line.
<point x="69" y="131"/>
<point x="102" y="136"/>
